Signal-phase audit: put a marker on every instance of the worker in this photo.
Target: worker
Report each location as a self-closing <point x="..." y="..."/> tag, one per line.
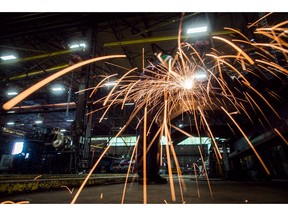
<point x="153" y="154"/>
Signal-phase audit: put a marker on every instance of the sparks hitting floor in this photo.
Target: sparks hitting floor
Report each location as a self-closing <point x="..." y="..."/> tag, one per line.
<point x="222" y="191"/>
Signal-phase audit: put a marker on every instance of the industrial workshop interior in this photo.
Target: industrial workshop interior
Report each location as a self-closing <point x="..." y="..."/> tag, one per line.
<point x="72" y="86"/>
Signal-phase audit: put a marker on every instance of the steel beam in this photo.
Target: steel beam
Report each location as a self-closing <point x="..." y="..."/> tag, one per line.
<point x="62" y="52"/>
<point x="163" y="38"/>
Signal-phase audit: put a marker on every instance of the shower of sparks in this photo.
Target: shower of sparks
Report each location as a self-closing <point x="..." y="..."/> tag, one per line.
<point x="174" y="89"/>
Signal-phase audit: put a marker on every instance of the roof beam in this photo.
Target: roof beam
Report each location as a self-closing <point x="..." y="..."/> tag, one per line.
<point x="159" y="39"/>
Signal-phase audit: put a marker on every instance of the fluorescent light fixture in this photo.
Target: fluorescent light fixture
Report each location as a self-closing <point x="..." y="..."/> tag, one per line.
<point x="62" y="130"/>
<point x="8" y="57"/>
<point x="197" y="30"/>
<point x="129" y="104"/>
<point x="200" y="76"/>
<point x="110" y="84"/>
<point x="57" y="89"/>
<point x="69" y="120"/>
<point x="11" y="93"/>
<point x="74" y="46"/>
<point x="17" y="148"/>
<point x="10" y="123"/>
<point x="38" y="122"/>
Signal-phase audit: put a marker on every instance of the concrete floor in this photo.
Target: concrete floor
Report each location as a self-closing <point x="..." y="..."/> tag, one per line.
<point x="223" y="192"/>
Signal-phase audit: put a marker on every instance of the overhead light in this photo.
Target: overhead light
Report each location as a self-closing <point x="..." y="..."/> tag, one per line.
<point x="10" y="123"/>
<point x="197" y="30"/>
<point x="69" y="120"/>
<point x="200" y="76"/>
<point x="110" y="84"/>
<point x="11" y="93"/>
<point x="38" y="122"/>
<point x="8" y="57"/>
<point x="62" y="130"/>
<point x="77" y="45"/>
<point x="129" y="104"/>
<point x="57" y="89"/>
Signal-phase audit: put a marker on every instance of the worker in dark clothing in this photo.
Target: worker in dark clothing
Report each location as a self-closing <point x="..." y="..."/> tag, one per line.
<point x="153" y="154"/>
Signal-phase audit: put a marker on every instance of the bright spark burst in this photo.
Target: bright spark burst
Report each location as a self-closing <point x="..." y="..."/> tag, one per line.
<point x="173" y="89"/>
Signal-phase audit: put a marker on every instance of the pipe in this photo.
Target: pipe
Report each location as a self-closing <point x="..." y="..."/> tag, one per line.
<point x="58" y="105"/>
<point x="159" y="39"/>
<point x="34" y="73"/>
<point x="62" y="52"/>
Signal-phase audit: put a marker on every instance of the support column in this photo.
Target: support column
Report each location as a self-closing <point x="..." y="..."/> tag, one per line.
<point x="80" y="131"/>
<point x="78" y="126"/>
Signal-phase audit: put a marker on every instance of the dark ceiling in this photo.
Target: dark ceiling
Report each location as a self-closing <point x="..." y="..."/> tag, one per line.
<point x="41" y="42"/>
